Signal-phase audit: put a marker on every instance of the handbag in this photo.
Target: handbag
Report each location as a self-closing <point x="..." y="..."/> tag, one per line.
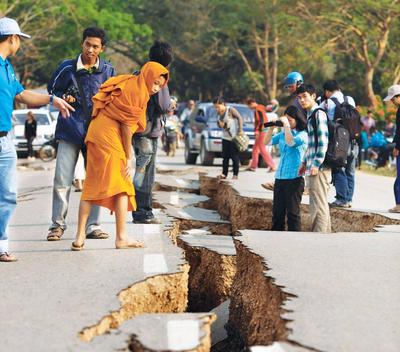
<point x="241" y="141"/>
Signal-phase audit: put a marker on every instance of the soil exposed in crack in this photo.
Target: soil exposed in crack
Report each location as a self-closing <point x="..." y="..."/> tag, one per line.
<point x="159" y="294"/>
<point x="252" y="213"/>
<point x="256" y="303"/>
<point x="210" y="277"/>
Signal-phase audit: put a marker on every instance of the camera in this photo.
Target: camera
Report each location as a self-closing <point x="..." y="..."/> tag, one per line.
<point x="72" y="91"/>
<point x="276" y="123"/>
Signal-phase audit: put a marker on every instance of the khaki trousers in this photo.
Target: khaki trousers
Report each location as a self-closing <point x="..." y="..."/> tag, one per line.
<point x="318" y="186"/>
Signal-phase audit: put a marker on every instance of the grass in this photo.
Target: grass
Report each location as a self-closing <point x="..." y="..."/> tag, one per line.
<point x="382" y="171"/>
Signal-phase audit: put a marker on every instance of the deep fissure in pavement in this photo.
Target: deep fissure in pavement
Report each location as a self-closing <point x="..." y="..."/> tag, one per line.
<point x="256" y="308"/>
<point x="252" y="213"/>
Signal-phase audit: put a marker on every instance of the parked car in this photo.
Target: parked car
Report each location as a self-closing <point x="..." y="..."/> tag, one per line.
<point x="203" y="137"/>
<point x="46" y="126"/>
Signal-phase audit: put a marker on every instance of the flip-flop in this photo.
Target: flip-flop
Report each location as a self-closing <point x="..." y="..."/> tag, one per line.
<point x="76" y="248"/>
<point x="131" y="245"/>
<point x="268" y="185"/>
<point x="394" y="210"/>
<point x="6" y="257"/>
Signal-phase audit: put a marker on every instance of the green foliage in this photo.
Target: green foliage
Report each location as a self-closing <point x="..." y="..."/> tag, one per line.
<point x="232" y="47"/>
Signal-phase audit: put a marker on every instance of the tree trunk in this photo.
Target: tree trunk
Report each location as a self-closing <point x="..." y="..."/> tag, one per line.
<point x="369" y="89"/>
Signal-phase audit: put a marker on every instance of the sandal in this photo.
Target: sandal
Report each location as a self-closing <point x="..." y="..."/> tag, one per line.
<point x="221" y="177"/>
<point x="395" y="209"/>
<point x="6" y="257"/>
<point x="128" y="245"/>
<point x="268" y="185"/>
<point x="55" y="234"/>
<point x="97" y="235"/>
<point x="77" y="248"/>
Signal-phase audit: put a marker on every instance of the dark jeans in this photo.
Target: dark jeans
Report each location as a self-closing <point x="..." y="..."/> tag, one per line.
<point x="145" y="152"/>
<point x="287" y="199"/>
<point x="229" y="151"/>
<point x="343" y="179"/>
<point x="30" y="146"/>
<point x="397" y="182"/>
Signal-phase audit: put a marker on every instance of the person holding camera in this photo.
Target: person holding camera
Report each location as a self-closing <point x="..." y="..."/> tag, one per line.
<point x="289" y="186"/>
<point x="76" y="81"/>
<point x="232" y="122"/>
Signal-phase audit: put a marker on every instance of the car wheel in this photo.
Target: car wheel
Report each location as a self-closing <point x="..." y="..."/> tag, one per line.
<point x="47" y="153"/>
<point x="206" y="157"/>
<point x="244" y="161"/>
<point x="190" y="158"/>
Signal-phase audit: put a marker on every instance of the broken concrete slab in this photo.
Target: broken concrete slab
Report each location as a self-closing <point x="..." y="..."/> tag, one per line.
<point x="222" y="245"/>
<point x="388" y="228"/>
<point x="55" y="296"/>
<point x="218" y="331"/>
<point x="161" y="332"/>
<point x="178" y="199"/>
<point x="194" y="214"/>
<point x="173" y="183"/>
<point x="329" y="291"/>
<point x="279" y="347"/>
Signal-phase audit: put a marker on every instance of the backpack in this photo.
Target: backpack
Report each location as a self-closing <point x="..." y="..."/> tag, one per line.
<point x="338" y="144"/>
<point x="348" y="116"/>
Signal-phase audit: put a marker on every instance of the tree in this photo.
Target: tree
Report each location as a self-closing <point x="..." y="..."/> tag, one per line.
<point x="359" y="29"/>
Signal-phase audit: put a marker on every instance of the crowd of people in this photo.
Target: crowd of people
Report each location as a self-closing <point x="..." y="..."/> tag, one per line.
<point x="107" y="118"/>
<point x="101" y="116"/>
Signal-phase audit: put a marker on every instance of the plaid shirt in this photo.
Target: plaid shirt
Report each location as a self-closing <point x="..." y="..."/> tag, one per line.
<point x="315" y="156"/>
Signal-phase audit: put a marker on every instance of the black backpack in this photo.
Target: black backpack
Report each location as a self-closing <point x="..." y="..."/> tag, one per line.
<point x="339" y="142"/>
<point x="348" y="116"/>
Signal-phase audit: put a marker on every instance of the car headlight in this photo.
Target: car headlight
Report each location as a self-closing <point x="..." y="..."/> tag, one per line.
<point x="48" y="136"/>
<point x="216" y="133"/>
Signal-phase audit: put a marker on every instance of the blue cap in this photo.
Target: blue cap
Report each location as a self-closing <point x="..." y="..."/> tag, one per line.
<point x="8" y="26"/>
<point x="293" y="78"/>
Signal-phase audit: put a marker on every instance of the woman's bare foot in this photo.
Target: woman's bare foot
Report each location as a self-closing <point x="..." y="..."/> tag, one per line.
<point x="235" y="177"/>
<point x="128" y="244"/>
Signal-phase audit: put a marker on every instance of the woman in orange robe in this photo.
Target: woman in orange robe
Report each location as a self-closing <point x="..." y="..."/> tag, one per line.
<point x="119" y="110"/>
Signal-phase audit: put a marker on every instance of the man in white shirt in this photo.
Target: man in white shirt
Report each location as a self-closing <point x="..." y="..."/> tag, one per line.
<point x="343" y="179"/>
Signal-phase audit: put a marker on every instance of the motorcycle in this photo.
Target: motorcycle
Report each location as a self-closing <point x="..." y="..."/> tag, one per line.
<point x="48" y="151"/>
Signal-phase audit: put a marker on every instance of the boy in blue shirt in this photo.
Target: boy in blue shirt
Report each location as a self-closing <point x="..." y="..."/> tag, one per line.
<point x="289" y="186"/>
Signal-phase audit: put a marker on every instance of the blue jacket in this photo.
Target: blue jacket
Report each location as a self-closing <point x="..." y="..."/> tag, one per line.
<point x="73" y="129"/>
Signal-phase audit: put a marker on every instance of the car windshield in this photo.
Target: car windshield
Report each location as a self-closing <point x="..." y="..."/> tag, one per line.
<point x="244" y="111"/>
<point x="42" y="119"/>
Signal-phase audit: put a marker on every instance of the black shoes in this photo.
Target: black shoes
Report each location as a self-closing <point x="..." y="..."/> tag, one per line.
<point x="146" y="221"/>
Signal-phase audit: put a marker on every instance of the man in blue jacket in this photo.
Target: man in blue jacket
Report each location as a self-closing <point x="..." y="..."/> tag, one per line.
<point x="76" y="81"/>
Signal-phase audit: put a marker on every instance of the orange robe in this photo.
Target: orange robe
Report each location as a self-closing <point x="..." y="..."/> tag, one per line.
<point x="120" y="100"/>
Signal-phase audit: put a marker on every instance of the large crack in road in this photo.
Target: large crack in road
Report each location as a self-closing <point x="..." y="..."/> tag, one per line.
<point x="212" y="276"/>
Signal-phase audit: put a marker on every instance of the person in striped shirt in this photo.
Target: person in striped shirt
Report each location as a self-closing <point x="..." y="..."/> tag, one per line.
<point x="313" y="162"/>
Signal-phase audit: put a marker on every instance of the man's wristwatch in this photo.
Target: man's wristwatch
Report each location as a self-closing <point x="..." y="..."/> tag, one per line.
<point x="51" y="99"/>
